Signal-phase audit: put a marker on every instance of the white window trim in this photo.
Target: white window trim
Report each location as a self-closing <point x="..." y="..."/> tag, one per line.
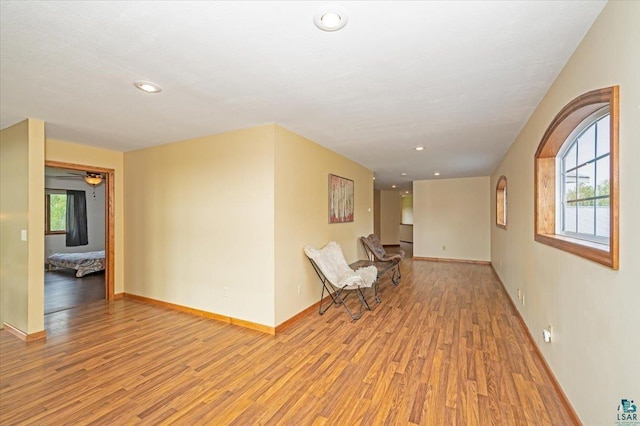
<point x="591" y="120"/>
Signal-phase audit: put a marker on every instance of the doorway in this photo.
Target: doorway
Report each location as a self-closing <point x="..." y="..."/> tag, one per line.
<point x="95" y="285"/>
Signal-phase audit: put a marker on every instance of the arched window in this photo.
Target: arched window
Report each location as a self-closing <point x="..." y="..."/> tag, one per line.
<point x="576" y="179"/>
<point x="584" y="183"/>
<point x="501" y="202"/>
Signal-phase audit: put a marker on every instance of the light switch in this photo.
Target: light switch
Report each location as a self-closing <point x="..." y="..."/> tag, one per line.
<point x="23" y="235"/>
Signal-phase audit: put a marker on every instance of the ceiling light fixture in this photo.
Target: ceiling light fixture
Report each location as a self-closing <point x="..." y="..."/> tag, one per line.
<point x="436" y="174"/>
<point x="419" y="148"/>
<point x="393" y="186"/>
<point x="147" y="86"/>
<point x="93" y="179"/>
<point x="330" y="18"/>
<point x="403" y="174"/>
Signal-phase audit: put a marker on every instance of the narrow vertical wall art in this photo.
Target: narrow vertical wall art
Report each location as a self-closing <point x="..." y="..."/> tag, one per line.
<point x="340" y="199"/>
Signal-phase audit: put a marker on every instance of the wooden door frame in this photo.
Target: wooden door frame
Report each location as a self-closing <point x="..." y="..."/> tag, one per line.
<point x="109" y="174"/>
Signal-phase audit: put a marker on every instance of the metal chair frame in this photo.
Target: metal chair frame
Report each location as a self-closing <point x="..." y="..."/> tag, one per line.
<point x="336" y="296"/>
<point x="394" y="271"/>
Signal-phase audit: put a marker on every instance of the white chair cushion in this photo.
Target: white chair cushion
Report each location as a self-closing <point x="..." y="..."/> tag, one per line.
<point x="333" y="265"/>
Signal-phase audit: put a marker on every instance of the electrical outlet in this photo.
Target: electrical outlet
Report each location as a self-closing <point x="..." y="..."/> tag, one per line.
<point x="299" y="289"/>
<point x="519" y="295"/>
<point x="444" y="248"/>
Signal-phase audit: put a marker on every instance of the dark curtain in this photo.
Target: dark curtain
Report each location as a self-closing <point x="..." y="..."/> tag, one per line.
<point x="77" y="234"/>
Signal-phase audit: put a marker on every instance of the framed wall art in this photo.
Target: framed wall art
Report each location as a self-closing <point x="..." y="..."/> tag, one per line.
<point x="340" y="199"/>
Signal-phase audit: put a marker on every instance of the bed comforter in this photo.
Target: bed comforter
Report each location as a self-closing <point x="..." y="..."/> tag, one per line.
<point x="83" y="263"/>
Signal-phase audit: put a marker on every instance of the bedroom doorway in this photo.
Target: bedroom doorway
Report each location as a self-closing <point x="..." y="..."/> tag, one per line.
<point x="76" y="280"/>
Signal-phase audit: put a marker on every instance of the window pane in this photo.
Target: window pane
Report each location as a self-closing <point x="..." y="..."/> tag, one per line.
<point x="603" y="135"/>
<point x="589" y="180"/>
<point x="602" y="219"/>
<point x="586" y="217"/>
<point x="602" y="169"/>
<point x="587" y="145"/>
<point x="57" y="212"/>
<point x="570" y="157"/>
<point x="585" y="179"/>
<point x="570" y="185"/>
<point x="570" y="217"/>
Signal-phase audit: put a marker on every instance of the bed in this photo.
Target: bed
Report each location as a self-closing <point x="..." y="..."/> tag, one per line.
<point x="83" y="263"/>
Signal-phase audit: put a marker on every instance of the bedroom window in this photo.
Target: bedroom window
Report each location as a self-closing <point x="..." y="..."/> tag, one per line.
<point x="55" y="213"/>
<point x="576" y="179"/>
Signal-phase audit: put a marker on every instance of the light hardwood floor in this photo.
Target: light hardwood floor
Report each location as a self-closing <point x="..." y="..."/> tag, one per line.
<point x="444" y="347"/>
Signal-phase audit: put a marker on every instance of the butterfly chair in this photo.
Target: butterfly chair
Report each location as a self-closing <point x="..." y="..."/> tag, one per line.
<point x="334" y="273"/>
<point x="376" y="252"/>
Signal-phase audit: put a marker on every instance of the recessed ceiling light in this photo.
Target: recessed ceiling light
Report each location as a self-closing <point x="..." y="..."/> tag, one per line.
<point x="403" y="174"/>
<point x="406" y="192"/>
<point x="436" y="174"/>
<point x="374" y="178"/>
<point x="331" y="18"/>
<point x="393" y="186"/>
<point x="147" y="86"/>
<point x="419" y="148"/>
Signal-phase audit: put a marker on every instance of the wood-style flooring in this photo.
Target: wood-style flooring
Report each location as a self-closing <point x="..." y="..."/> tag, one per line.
<point x="443" y="348"/>
<point x="63" y="290"/>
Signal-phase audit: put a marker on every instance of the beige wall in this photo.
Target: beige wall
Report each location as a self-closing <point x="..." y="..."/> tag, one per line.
<point x="22" y="208"/>
<point x="199" y="223"/>
<point x="36" y="225"/>
<point x="98" y="157"/>
<point x="14" y="204"/>
<point x="376" y="212"/>
<point x="593" y="309"/>
<point x="302" y="168"/>
<point x="198" y="226"/>
<point x="453" y="213"/>
<point x="406" y="226"/>
<point x="406" y="233"/>
<point x="407" y="209"/>
<point x="390" y="217"/>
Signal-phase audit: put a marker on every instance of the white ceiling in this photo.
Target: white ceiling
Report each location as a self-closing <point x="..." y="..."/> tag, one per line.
<point x="54" y="172"/>
<point x="460" y="78"/>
